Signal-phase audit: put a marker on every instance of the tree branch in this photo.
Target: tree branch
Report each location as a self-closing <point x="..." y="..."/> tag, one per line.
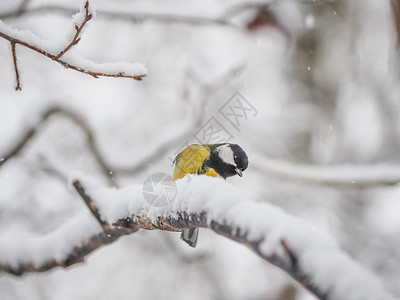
<point x="5" y="34"/>
<point x="77" y="255"/>
<point x="89" y="203"/>
<point x="131" y="17"/>
<point x="66" y="64"/>
<point x="76" y="119"/>
<point x="339" y="176"/>
<point x="284" y="241"/>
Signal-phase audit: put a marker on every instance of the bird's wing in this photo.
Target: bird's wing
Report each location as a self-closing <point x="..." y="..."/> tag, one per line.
<point x="190" y="160"/>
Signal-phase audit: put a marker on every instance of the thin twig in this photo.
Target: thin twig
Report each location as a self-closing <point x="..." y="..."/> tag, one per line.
<point x="75" y="40"/>
<point x="66" y="64"/>
<point x="89" y="203"/>
<point x="14" y="55"/>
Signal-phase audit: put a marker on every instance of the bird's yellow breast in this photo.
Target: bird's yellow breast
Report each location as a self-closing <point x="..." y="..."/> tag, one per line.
<point x="211" y="172"/>
<point x="190" y="161"/>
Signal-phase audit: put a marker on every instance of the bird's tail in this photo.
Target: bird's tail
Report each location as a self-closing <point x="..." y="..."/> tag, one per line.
<point x="190" y="236"/>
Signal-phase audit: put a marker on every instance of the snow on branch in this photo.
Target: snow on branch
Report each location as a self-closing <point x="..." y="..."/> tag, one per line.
<point x="74" y="117"/>
<point x="72" y="61"/>
<point x="334" y="176"/>
<point x="339" y="176"/>
<point x="154" y="153"/>
<point x="289" y="243"/>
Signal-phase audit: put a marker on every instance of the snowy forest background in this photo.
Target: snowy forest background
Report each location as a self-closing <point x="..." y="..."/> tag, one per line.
<point x="321" y="76"/>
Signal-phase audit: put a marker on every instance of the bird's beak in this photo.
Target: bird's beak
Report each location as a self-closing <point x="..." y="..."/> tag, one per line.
<point x="239" y="172"/>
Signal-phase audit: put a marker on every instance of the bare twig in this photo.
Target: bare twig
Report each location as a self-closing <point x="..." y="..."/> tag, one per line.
<point x="75" y="40"/>
<point x="89" y="203"/>
<point x="14" y="55"/>
<point x="76" y="119"/>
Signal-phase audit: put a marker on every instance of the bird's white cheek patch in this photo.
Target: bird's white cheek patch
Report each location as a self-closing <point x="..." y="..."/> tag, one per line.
<point x="226" y="154"/>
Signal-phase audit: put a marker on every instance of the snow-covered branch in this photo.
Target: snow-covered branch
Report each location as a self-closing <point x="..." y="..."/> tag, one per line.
<point x="291" y="244"/>
<point x="339" y="176"/>
<point x="349" y="176"/>
<point x="134" y="17"/>
<point x="74" y="117"/>
<point x="151" y="156"/>
<point x="27" y="39"/>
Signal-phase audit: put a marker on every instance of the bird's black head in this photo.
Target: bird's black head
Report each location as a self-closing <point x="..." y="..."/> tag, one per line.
<point x="228" y="159"/>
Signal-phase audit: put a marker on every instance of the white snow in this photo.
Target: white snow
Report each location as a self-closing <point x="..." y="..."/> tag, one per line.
<point x="326" y="174"/>
<point x="30" y="38"/>
<point x="312" y="125"/>
<point x="324" y="263"/>
<point x="56" y="244"/>
<point x="121" y="67"/>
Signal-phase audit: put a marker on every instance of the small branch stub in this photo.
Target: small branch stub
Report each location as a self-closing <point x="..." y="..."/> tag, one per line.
<point x="14" y="55"/>
<point x="90" y="204"/>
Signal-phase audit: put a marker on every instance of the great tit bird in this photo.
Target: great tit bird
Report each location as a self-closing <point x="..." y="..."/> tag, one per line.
<point x="218" y="160"/>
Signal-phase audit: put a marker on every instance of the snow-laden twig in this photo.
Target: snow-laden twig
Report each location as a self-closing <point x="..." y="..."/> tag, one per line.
<point x="76" y="38"/>
<point x="27" y="39"/>
<point x="289" y="243"/>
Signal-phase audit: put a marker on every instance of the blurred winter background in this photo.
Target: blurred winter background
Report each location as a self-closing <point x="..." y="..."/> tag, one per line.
<point x="323" y="77"/>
